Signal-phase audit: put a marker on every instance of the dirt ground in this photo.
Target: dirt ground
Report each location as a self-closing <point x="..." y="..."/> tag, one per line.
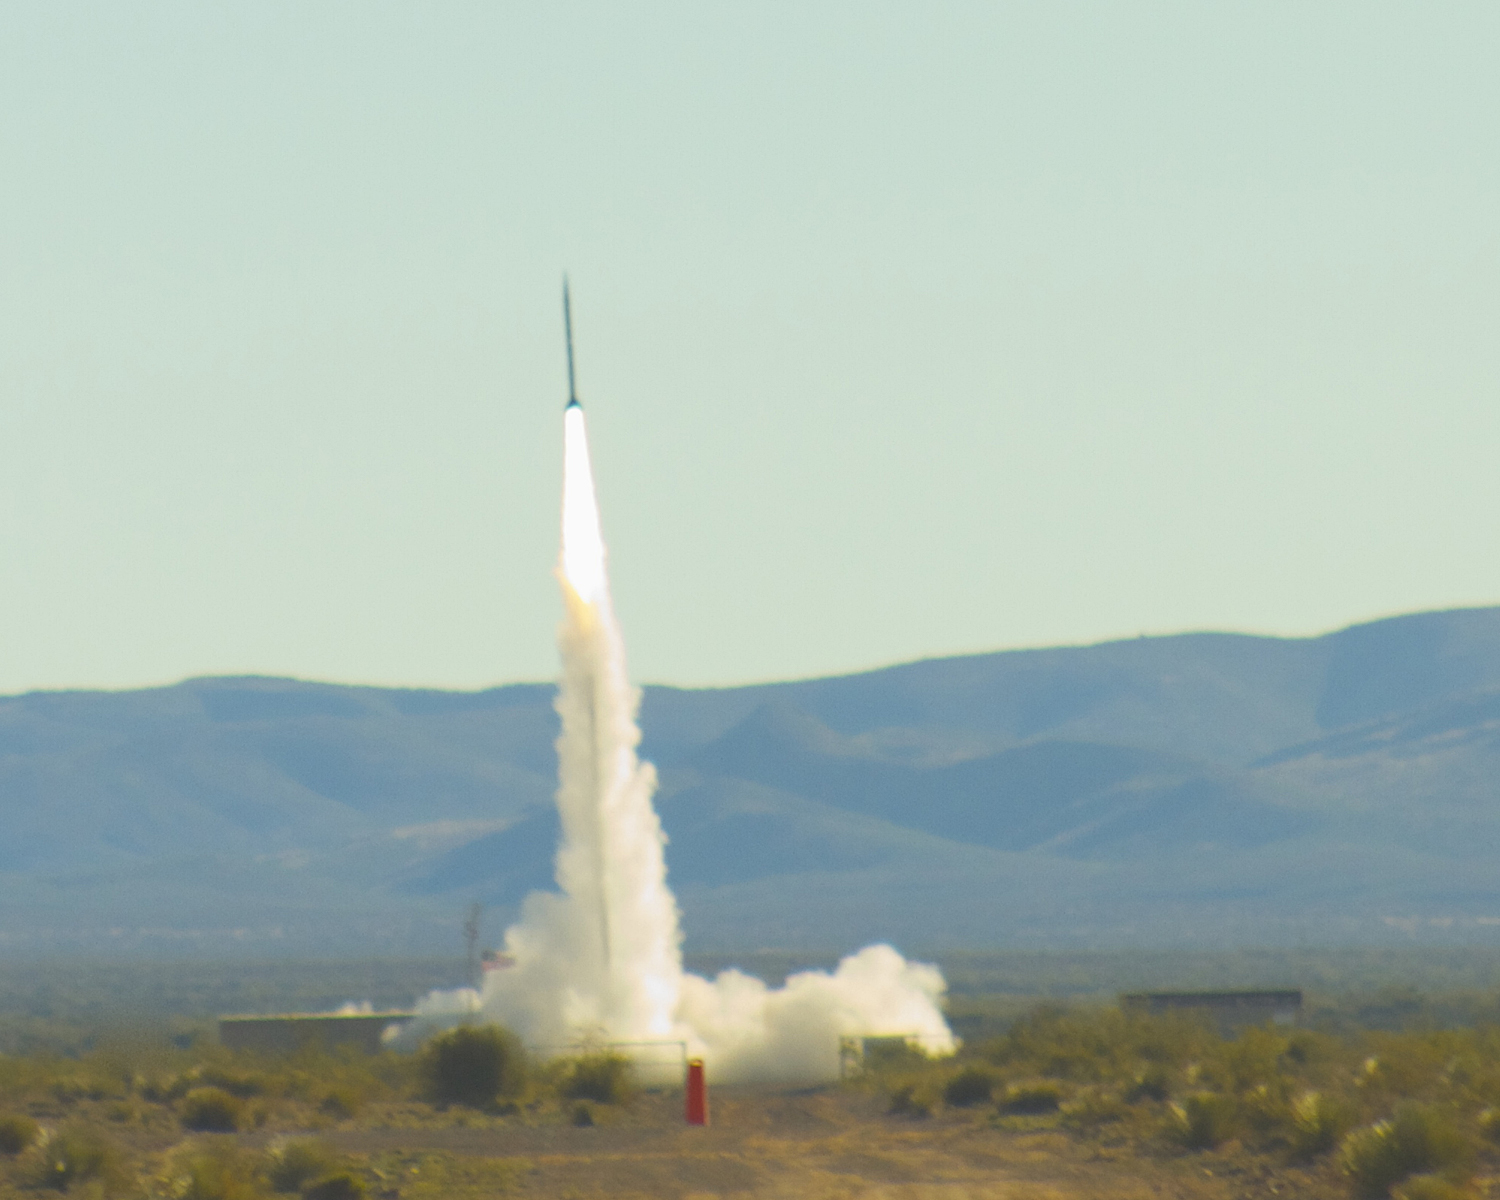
<point x="814" y="1145"/>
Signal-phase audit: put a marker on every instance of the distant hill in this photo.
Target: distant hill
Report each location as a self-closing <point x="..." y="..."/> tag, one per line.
<point x="1166" y="791"/>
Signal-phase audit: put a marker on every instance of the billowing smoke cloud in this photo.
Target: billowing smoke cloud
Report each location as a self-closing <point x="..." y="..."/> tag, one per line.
<point x="601" y="958"/>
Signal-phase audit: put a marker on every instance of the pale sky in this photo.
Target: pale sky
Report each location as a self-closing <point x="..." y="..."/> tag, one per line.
<point x="903" y="329"/>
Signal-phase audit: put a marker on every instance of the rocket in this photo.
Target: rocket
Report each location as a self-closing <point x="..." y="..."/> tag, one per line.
<point x="568" y="330"/>
<point x="582" y="570"/>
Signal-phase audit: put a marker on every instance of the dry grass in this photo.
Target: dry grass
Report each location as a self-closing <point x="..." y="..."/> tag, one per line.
<point x="1289" y="1115"/>
<point x="829" y="1144"/>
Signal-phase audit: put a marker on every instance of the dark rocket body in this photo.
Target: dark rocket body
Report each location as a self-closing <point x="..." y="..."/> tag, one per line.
<point x="568" y="331"/>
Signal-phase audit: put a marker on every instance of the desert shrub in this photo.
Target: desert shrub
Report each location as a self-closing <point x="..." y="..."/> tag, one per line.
<point x="292" y="1165"/>
<point x="1418" y="1140"/>
<point x="1096" y="1045"/>
<point x="603" y="1077"/>
<point x="474" y="1065"/>
<point x="1304" y="1046"/>
<point x="342" y="1102"/>
<point x="17" y="1132"/>
<point x="583" y="1114"/>
<point x="880" y="1055"/>
<point x="211" y="1110"/>
<point x="1432" y="1187"/>
<point x="1032" y="1099"/>
<point x="1154" y="1083"/>
<point x="76" y="1156"/>
<point x="243" y="1084"/>
<point x="122" y="1111"/>
<point x="161" y="1087"/>
<point x="1410" y="1066"/>
<point x="1488" y="1122"/>
<point x="158" y="1089"/>
<point x="1055" y="1041"/>
<point x="71" y="1090"/>
<point x="314" y="1075"/>
<point x="1318" y="1122"/>
<point x="910" y="1100"/>
<point x="343" y="1185"/>
<point x="1251" y="1060"/>
<point x="1267" y="1109"/>
<point x="1092" y="1108"/>
<point x="971" y="1086"/>
<point x="214" y="1170"/>
<point x="1204" y="1120"/>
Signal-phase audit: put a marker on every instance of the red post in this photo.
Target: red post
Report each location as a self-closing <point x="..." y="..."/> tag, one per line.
<point x="697" y="1093"/>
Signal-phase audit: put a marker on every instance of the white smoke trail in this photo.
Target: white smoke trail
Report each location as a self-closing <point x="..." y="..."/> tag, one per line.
<point x="602" y="958"/>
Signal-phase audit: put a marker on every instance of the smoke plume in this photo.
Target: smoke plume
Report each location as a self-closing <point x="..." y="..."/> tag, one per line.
<point x="600" y="959"/>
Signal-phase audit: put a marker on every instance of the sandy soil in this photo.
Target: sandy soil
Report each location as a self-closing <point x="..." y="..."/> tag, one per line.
<point x="823" y="1145"/>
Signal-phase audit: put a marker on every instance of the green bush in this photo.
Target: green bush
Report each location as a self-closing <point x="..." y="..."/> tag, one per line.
<point x="215" y="1170"/>
<point x="604" y="1078"/>
<point x="1205" y="1120"/>
<point x="76" y="1156"/>
<point x="1418" y="1140"/>
<point x="1266" y="1109"/>
<point x="884" y="1055"/>
<point x="1432" y="1187"/>
<point x="971" y="1086"/>
<point x="123" y="1112"/>
<point x="910" y="1100"/>
<point x="244" y="1084"/>
<point x="1303" y="1046"/>
<point x="344" y="1185"/>
<point x="1096" y="1044"/>
<point x="292" y="1165"/>
<point x="1092" y="1108"/>
<point x="342" y="1103"/>
<point x="1250" y="1060"/>
<point x="474" y="1065"/>
<point x="1032" y="1099"/>
<point x="1318" y="1122"/>
<point x="211" y="1110"/>
<point x="1154" y="1083"/>
<point x="17" y="1132"/>
<point x="1489" y="1124"/>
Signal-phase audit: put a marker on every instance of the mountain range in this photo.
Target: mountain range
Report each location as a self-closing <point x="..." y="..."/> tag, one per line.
<point x="1199" y="789"/>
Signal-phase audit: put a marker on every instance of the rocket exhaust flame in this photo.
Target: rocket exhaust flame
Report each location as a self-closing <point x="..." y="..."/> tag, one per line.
<point x="601" y="957"/>
<point x="586" y="594"/>
<point x="582" y="562"/>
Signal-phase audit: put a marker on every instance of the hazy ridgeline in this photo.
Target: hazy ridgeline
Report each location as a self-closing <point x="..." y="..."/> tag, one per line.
<point x="1201" y="790"/>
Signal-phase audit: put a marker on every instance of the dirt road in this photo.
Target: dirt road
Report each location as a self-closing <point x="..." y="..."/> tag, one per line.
<point x="821" y="1145"/>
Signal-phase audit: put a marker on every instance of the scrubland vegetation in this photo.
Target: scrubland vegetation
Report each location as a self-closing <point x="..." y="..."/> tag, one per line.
<point x="134" y="1117"/>
<point x="1412" y="1114"/>
<point x="1386" y="1092"/>
<point x="1375" y="1113"/>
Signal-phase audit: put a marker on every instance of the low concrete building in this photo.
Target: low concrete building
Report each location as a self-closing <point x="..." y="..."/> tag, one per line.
<point x="287" y="1033"/>
<point x="1230" y="1010"/>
